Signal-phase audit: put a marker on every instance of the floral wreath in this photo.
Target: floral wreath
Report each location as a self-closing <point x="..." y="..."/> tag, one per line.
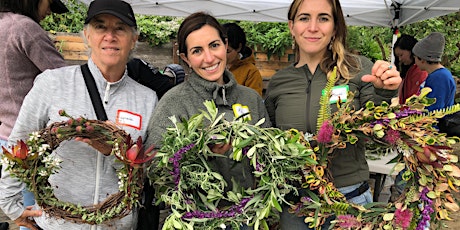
<point x="32" y="162"/>
<point x="281" y="159"/>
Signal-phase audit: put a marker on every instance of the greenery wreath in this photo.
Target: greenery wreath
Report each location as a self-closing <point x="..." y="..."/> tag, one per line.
<point x="282" y="159"/>
<point x="197" y="192"/>
<point x="32" y="163"/>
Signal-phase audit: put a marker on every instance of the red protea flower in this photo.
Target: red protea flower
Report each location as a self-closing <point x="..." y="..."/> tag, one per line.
<point x="19" y="150"/>
<point x="135" y="153"/>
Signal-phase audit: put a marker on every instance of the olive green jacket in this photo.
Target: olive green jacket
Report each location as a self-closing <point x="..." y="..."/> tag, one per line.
<point x="292" y="101"/>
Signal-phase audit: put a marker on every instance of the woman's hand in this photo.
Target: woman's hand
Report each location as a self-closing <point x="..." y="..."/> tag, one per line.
<point x="100" y="145"/>
<point x="24" y="219"/>
<point x="383" y="76"/>
<point x="220" y="148"/>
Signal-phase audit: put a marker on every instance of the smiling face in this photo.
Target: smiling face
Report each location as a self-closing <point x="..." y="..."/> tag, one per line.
<point x="206" y="53"/>
<point x="313" y="27"/>
<point x="404" y="56"/>
<point x="110" y="40"/>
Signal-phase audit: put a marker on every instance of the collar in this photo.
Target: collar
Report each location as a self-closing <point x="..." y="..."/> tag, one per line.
<point x="220" y="94"/>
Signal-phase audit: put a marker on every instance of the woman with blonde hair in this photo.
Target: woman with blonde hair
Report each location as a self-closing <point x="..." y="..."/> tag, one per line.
<point x="293" y="96"/>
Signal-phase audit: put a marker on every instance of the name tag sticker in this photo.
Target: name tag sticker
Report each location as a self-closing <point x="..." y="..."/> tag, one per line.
<point x="240" y="110"/>
<point x="127" y="118"/>
<point x="339" y="92"/>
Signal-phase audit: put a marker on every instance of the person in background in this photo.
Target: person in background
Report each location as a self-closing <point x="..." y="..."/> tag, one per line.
<point x="202" y="45"/>
<point x="293" y="95"/>
<point x="150" y="76"/>
<point x="26" y="51"/>
<point x="240" y="59"/>
<point x="428" y="53"/>
<point x="412" y="75"/>
<point x="111" y="34"/>
<point x="160" y="82"/>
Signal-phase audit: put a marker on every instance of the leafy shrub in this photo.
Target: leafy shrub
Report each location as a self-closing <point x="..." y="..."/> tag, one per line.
<point x="271" y="37"/>
<point x="71" y="22"/>
<point x="364" y="40"/>
<point x="157" y="30"/>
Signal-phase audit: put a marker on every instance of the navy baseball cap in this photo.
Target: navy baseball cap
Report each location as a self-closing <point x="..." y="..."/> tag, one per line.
<point x="58" y="7"/>
<point x="117" y="8"/>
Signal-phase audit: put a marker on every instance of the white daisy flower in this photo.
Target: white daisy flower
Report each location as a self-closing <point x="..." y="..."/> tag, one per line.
<point x="43" y="173"/>
<point x="34" y="136"/>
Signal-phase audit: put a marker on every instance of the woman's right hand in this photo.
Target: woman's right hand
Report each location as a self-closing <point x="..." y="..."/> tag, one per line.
<point x="220" y="148"/>
<point x="25" y="221"/>
<point x="383" y="76"/>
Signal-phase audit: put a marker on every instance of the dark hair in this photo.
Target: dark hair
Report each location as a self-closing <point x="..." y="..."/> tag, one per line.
<point x="194" y="22"/>
<point x="27" y="8"/>
<point x="235" y="35"/>
<point x="404" y="42"/>
<point x="347" y="64"/>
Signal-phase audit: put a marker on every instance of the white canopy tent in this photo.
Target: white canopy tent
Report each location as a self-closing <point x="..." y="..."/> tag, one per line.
<point x="387" y="13"/>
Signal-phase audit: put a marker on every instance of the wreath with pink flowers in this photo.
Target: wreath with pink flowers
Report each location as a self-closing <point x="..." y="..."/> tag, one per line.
<point x="199" y="197"/>
<point x="32" y="162"/>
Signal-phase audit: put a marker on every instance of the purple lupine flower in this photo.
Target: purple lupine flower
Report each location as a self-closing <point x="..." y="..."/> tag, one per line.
<point x="175" y="160"/>
<point x="245" y="150"/>
<point x="306" y="199"/>
<point x="404" y="112"/>
<point x="259" y="167"/>
<point x="384" y="122"/>
<point x="427" y="210"/>
<point x="231" y="212"/>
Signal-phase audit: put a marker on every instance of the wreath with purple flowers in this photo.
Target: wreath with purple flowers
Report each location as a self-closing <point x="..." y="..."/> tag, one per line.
<point x="200" y="199"/>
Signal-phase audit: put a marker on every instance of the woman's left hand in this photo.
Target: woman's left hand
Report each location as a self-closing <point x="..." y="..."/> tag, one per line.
<point x="383" y="76"/>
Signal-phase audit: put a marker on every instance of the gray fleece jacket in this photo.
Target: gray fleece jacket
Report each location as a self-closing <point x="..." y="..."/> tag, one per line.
<point x="186" y="100"/>
<point x="86" y="175"/>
